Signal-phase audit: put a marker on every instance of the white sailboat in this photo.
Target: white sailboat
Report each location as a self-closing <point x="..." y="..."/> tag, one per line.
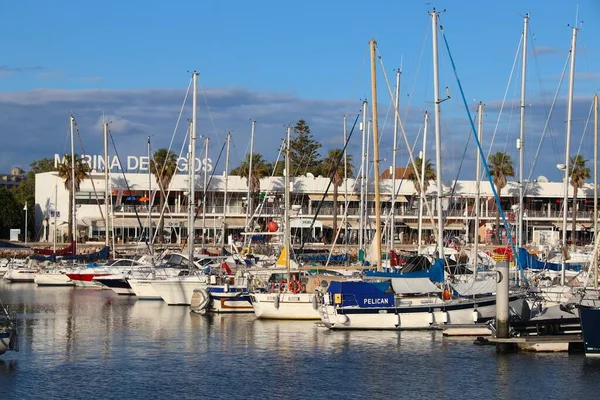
<point x="288" y="301"/>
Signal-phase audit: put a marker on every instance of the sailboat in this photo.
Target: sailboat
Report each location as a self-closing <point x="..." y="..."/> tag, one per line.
<point x="289" y="299"/>
<point x="411" y="301"/>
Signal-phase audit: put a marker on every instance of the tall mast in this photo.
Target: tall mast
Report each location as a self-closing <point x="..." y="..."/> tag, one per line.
<point x="106" y="187"/>
<point x="149" y="237"/>
<point x="55" y="216"/>
<point x="361" y="221"/>
<point x="192" y="173"/>
<point x="205" y="185"/>
<point x="288" y="229"/>
<point x="521" y="141"/>
<point x="250" y="175"/>
<point x="225" y="192"/>
<point x="438" y="142"/>
<point x="394" y="152"/>
<point x="567" y="150"/>
<point x="345" y="187"/>
<point x="422" y="195"/>
<point x="74" y="210"/>
<point x="595" y="257"/>
<point x="478" y="185"/>
<point x="376" y="155"/>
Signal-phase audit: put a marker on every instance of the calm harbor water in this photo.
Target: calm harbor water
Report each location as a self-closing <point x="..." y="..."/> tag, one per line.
<point x="88" y="344"/>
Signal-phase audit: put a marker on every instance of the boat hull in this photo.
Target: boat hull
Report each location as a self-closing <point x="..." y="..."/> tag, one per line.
<point x="143" y="289"/>
<point x="177" y="292"/>
<point x="18" y="275"/>
<point x="293" y="306"/>
<point x="86" y="279"/>
<point x="53" y="279"/>
<point x="119" y="285"/>
<point x="590" y="328"/>
<point x="462" y="312"/>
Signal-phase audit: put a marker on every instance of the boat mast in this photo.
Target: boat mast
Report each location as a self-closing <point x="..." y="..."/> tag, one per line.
<point x="521" y="141"/>
<point x="106" y="187"/>
<point x="55" y="215"/>
<point x="373" y="43"/>
<point x="204" y="194"/>
<point x="192" y="174"/>
<point x="567" y="158"/>
<point x="248" y="202"/>
<point x="74" y="210"/>
<point x="345" y="188"/>
<point x="595" y="256"/>
<point x="149" y="237"/>
<point x="288" y="229"/>
<point x="394" y="153"/>
<point x="478" y="186"/>
<point x="225" y="192"/>
<point x="361" y="221"/>
<point x="438" y="143"/>
<point x="422" y="195"/>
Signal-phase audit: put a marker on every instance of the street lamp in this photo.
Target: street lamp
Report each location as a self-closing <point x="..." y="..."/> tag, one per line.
<point x="25" y="234"/>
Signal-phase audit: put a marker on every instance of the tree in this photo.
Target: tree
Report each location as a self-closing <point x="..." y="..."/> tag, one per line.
<point x="429" y="175"/>
<point x="11" y="212"/>
<point x="501" y="167"/>
<point x="578" y="173"/>
<point x="304" y="151"/>
<point x="163" y="166"/>
<point x="333" y="167"/>
<point x="24" y="193"/>
<point x="82" y="171"/>
<point x="260" y="169"/>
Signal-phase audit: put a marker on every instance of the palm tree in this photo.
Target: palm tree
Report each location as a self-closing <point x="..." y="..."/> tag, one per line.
<point x="82" y="171"/>
<point x="429" y="174"/>
<point x="578" y="173"/>
<point x="501" y="166"/>
<point x="163" y="166"/>
<point x="333" y="167"/>
<point x="260" y="169"/>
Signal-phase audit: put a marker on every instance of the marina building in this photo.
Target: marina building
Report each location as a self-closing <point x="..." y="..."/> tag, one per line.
<point x="135" y="205"/>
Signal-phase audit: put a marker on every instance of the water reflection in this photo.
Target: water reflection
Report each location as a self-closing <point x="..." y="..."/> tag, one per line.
<point x="69" y="334"/>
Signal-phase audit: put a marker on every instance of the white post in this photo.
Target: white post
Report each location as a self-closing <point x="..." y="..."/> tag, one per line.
<point x="438" y="141"/>
<point x="521" y="141"/>
<point x="423" y="193"/>
<point x="55" y="217"/>
<point x="74" y="211"/>
<point x="567" y="150"/>
<point x="106" y="187"/>
<point x="394" y="153"/>
<point x="25" y="234"/>
<point x="361" y="221"/>
<point x="288" y="229"/>
<point x="149" y="237"/>
<point x="204" y="195"/>
<point x="250" y="212"/>
<point x="192" y="174"/>
<point x="225" y="191"/>
<point x="478" y="185"/>
<point x="346" y="236"/>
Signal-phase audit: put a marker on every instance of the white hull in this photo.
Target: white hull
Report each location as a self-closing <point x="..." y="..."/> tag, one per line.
<point x="143" y="289"/>
<point x="178" y="291"/>
<point x="20" y="275"/>
<point x="456" y="312"/>
<point x="53" y="279"/>
<point x="230" y="305"/>
<point x="3" y="270"/>
<point x="297" y="306"/>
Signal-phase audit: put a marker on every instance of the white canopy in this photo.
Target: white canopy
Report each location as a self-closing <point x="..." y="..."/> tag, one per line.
<point x="414" y="286"/>
<point x="472" y="288"/>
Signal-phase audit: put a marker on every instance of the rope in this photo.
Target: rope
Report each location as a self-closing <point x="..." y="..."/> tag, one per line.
<point x="474" y="131"/>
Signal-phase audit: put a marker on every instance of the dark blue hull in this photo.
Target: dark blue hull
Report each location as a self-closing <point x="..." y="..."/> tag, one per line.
<point x="590" y="328"/>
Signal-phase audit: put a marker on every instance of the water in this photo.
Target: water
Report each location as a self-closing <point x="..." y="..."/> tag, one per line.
<point x="88" y="344"/>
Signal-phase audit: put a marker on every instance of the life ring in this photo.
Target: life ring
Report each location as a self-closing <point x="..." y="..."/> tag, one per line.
<point x="245" y="251"/>
<point x="295" y="286"/>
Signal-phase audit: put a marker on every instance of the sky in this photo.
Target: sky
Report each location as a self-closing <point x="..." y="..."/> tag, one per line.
<point x="276" y="62"/>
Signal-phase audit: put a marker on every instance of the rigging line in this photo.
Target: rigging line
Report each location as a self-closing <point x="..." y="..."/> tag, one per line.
<point x="92" y="180"/>
<point x="210" y="115"/>
<point x="484" y="163"/>
<point x="407" y="144"/>
<point x="412" y="90"/>
<point x="137" y="216"/>
<point x="546" y="126"/>
<point x="205" y="189"/>
<point x="162" y="189"/>
<point x="543" y="91"/>
<point x="585" y="127"/>
<point x="336" y="166"/>
<point x="187" y="93"/>
<point x="512" y="71"/>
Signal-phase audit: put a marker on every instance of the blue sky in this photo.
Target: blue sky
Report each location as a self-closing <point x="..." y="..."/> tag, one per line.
<point x="278" y="62"/>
